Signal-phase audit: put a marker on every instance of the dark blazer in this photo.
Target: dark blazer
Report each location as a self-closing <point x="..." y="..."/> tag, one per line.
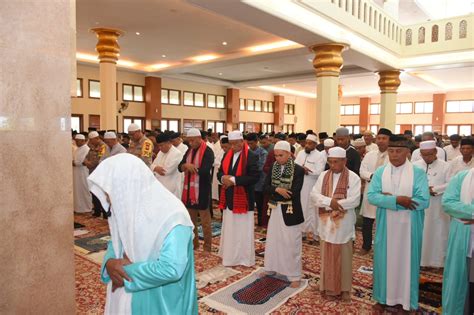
<point x="205" y="178"/>
<point x="248" y="181"/>
<point x="353" y="160"/>
<point x="298" y="178"/>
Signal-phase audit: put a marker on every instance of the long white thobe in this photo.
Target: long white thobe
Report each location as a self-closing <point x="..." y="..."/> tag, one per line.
<point x="116" y="149"/>
<point x="367" y="168"/>
<point x="457" y="165"/>
<point x="183" y="149"/>
<point x="343" y="230"/>
<point x="372" y="147"/>
<point x="315" y="162"/>
<point x="81" y="193"/>
<point x="169" y="161"/>
<point x="436" y="223"/>
<point x="416" y="155"/>
<point x="452" y="152"/>
<point x="218" y="155"/>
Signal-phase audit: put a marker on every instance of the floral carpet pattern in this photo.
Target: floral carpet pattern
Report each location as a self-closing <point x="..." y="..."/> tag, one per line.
<point x="90" y="292"/>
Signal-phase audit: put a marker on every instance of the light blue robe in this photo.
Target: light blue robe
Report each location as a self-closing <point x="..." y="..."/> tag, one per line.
<point x="455" y="280"/>
<point x="164" y="286"/>
<point x="421" y="195"/>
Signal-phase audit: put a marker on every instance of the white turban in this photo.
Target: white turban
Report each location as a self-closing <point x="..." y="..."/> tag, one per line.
<point x="110" y="135"/>
<point x="93" y="134"/>
<point x="133" y="127"/>
<point x="428" y="145"/>
<point x="193" y="132"/>
<point x="235" y="135"/>
<point x="80" y="137"/>
<point x="328" y="143"/>
<point x="359" y="142"/>
<point x="337" y="152"/>
<point x="282" y="145"/>
<point x="311" y="137"/>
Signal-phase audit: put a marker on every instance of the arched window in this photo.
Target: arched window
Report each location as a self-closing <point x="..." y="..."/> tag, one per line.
<point x="448" y="34"/>
<point x="359" y="10"/>
<point x="408" y="37"/>
<point x="393" y="32"/>
<point x="384" y="25"/>
<point x="463" y="29"/>
<point x="340" y="3"/>
<point x="353" y="8"/>
<point x="434" y="33"/>
<point x="396" y="34"/>
<point x="421" y="35"/>
<point x="365" y="12"/>
<point x="380" y="22"/>
<point x="375" y="19"/>
<point x="370" y="16"/>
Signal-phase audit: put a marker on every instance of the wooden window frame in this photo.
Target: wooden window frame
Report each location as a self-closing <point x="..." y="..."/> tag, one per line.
<point x="143" y="119"/>
<point x="414" y="107"/>
<point x="216" y="95"/>
<point x="89" y="89"/>
<point x="255" y="106"/>
<point x="81" y="121"/>
<point x="379" y="106"/>
<point x="353" y="106"/>
<point x="168" y="120"/>
<point x="457" y="127"/>
<point x="82" y="87"/>
<point x="214" y="122"/>
<point x="410" y="113"/>
<point x="204" y="101"/>
<point x="168" y="93"/>
<point x="133" y="92"/>
<point x="273" y="107"/>
<point x="247" y="105"/>
<point x="446" y="107"/>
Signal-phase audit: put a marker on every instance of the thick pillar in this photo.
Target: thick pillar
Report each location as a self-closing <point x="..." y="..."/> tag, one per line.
<point x="437" y="118"/>
<point x="233" y="109"/>
<point x="108" y="49"/>
<point x="364" y="103"/>
<point x="36" y="212"/>
<point x="327" y="63"/>
<point x="152" y="102"/>
<point x="389" y="82"/>
<point x="279" y="112"/>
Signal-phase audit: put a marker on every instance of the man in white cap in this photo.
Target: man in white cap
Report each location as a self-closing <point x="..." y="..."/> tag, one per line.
<point x="466" y="160"/>
<point x="360" y="146"/>
<point x="369" y="141"/>
<point x="428" y="135"/>
<point x="372" y="160"/>
<point x="400" y="191"/>
<point x="196" y="165"/>
<point x="283" y="248"/>
<point x="113" y="145"/>
<point x="165" y="165"/>
<point x="140" y="145"/>
<point x="178" y="142"/>
<point x="353" y="159"/>
<point x="81" y="194"/>
<point x="313" y="163"/>
<point x="336" y="195"/>
<point x="98" y="149"/>
<point x="238" y="174"/>
<point x="328" y="144"/>
<point x="436" y="223"/>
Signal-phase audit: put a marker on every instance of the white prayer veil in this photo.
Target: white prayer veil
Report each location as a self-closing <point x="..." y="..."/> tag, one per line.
<point x="143" y="210"/>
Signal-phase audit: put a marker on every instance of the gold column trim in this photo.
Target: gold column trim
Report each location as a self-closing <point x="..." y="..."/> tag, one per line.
<point x="107" y="45"/>
<point x="328" y="60"/>
<point x="389" y="81"/>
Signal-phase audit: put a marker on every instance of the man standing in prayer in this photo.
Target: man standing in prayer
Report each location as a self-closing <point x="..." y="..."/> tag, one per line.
<point x="178" y="143"/>
<point x="453" y="149"/>
<point x="371" y="162"/>
<point x="465" y="161"/>
<point x="140" y="146"/>
<point x="343" y="140"/>
<point x="98" y="149"/>
<point x="313" y="163"/>
<point x="113" y="146"/>
<point x="238" y="175"/>
<point x="252" y="141"/>
<point x="301" y="139"/>
<point x="196" y="196"/>
<point x="426" y="136"/>
<point x="149" y="263"/>
<point x="165" y="165"/>
<point x="361" y="147"/>
<point x="369" y="141"/>
<point x="218" y="154"/>
<point x="292" y="140"/>
<point x="82" y="196"/>
<point x="283" y="248"/>
<point x="458" y="276"/>
<point x="322" y="137"/>
<point x="436" y="223"/>
<point x="400" y="192"/>
<point x="336" y="195"/>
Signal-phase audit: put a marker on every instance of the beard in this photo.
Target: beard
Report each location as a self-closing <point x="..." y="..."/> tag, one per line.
<point x="308" y="151"/>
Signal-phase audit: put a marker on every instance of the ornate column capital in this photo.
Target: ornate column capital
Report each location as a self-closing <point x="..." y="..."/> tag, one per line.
<point x="328" y="59"/>
<point x="107" y="45"/>
<point x="389" y="81"/>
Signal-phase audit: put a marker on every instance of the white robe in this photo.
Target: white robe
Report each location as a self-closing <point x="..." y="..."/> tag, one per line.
<point x="457" y="165"/>
<point x="451" y="152"/>
<point x="218" y="155"/>
<point x="367" y="168"/>
<point x="315" y="161"/>
<point x="82" y="196"/>
<point x="416" y="155"/>
<point x="283" y="248"/>
<point x="372" y="147"/>
<point x="172" y="178"/>
<point x="436" y="223"/>
<point x="183" y="149"/>
<point x="344" y="230"/>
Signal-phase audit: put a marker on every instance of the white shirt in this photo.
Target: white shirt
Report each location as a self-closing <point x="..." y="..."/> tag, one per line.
<point x="457" y="165"/>
<point x="314" y="161"/>
<point x="416" y="155"/>
<point x="345" y="229"/>
<point x="182" y="148"/>
<point x="169" y="161"/>
<point x="437" y="173"/>
<point x="452" y="152"/>
<point x="371" y="147"/>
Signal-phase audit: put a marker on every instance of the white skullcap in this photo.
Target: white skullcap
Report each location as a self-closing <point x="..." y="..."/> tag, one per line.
<point x="428" y="145"/>
<point x="329" y="143"/>
<point x="235" y="135"/>
<point x="222" y="137"/>
<point x="133" y="127"/>
<point x="80" y="137"/>
<point x="193" y="132"/>
<point x="282" y="145"/>
<point x="311" y="137"/>
<point x="337" y="152"/>
<point x="110" y="135"/>
<point x="359" y="142"/>
<point x="93" y="134"/>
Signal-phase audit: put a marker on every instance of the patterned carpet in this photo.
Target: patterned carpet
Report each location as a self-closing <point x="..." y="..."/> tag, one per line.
<point x="90" y="292"/>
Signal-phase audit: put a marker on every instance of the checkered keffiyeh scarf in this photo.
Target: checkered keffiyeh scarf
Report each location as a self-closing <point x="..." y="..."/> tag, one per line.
<point x="282" y="179"/>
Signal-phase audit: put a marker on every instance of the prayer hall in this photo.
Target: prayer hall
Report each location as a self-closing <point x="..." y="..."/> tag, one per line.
<point x="237" y="157"/>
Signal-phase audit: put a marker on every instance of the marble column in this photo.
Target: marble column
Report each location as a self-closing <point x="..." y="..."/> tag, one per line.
<point x="389" y="82"/>
<point x="152" y="103"/>
<point x="233" y="109"/>
<point x="108" y="49"/>
<point x="36" y="212"/>
<point x="279" y="112"/>
<point x="328" y="64"/>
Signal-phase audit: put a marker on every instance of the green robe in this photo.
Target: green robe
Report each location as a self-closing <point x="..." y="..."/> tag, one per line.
<point x="164" y="286"/>
<point x="421" y="195"/>
<point x="455" y="276"/>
